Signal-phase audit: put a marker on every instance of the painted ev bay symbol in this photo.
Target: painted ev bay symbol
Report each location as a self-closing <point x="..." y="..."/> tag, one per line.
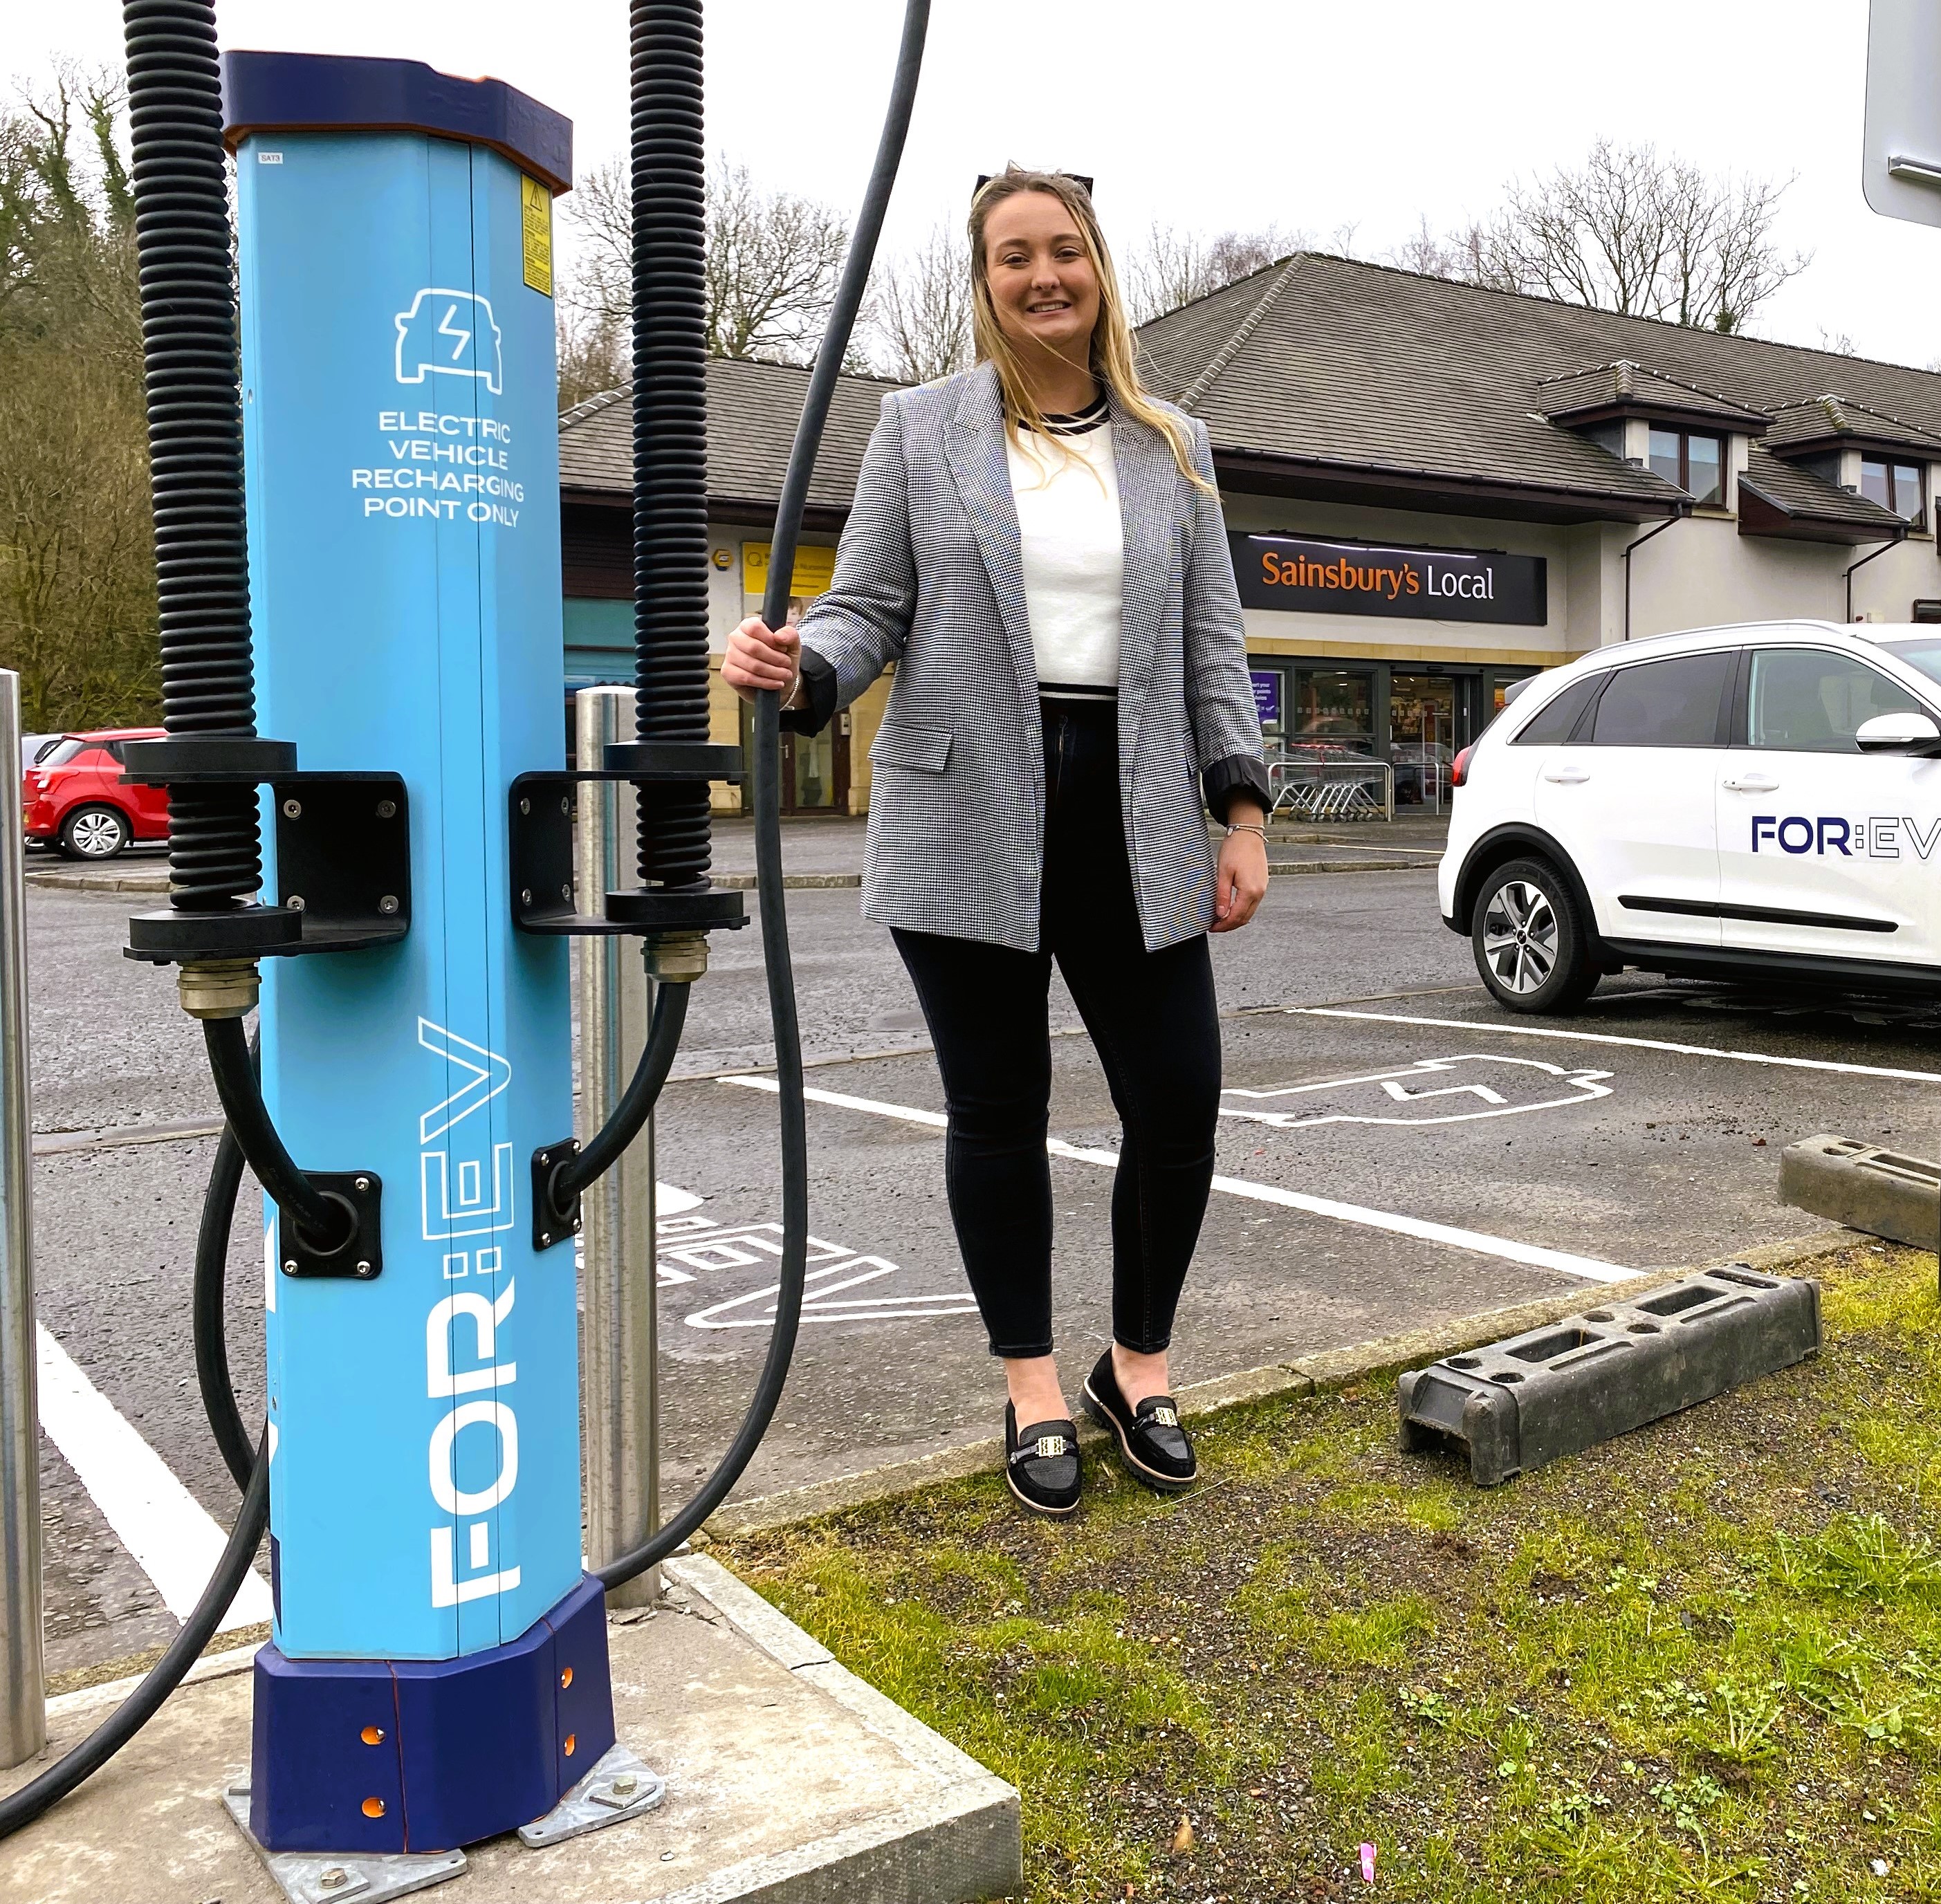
<point x="451" y="333"/>
<point x="1430" y="1091"/>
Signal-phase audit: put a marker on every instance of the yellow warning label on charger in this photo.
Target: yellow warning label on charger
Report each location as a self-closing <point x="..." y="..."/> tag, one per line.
<point x="535" y="219"/>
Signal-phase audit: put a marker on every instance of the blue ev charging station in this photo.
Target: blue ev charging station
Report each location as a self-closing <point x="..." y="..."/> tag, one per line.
<point x="357" y="549"/>
<point x="401" y="447"/>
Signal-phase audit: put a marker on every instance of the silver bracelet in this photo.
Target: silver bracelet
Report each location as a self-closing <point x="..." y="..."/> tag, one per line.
<point x="1244" y="826"/>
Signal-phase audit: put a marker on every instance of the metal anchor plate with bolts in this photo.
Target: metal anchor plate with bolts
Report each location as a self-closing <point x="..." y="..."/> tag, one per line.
<point x="322" y="1878"/>
<point x="619" y="1787"/>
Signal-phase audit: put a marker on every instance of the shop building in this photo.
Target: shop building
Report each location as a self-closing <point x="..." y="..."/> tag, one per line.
<point x="1432" y="490"/>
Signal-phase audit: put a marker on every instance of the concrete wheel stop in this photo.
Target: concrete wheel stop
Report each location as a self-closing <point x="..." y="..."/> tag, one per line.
<point x="1557" y="1390"/>
<point x="787" y="1779"/>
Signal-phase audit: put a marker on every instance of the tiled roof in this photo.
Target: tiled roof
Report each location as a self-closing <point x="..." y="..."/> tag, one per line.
<point x="752" y="412"/>
<point x="1830" y="419"/>
<point x="1335" y="365"/>
<point x="1625" y="386"/>
<point x="1364" y="365"/>
<point x="1800" y="496"/>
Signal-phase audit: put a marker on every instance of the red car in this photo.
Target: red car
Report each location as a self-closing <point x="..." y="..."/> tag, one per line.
<point x="75" y="797"/>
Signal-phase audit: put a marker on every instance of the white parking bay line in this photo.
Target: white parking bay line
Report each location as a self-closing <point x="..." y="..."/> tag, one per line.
<point x="173" y="1540"/>
<point x="1473" y="1024"/>
<point x="1589" y="1268"/>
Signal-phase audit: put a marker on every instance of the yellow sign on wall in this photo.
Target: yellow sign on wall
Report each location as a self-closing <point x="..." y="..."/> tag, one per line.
<point x="814" y="568"/>
<point x="535" y="221"/>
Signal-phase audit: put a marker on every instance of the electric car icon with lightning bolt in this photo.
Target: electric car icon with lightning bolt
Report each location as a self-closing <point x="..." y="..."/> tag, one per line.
<point x="450" y="333"/>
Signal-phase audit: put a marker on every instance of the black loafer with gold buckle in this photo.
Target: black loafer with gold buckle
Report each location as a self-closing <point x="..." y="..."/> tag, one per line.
<point x="1041" y="1464"/>
<point x="1156" y="1450"/>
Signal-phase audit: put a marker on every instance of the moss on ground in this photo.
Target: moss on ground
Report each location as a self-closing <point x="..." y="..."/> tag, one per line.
<point x="1702" y="1661"/>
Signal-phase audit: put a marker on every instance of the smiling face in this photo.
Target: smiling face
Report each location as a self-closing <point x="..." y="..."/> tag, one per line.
<point x="1043" y="287"/>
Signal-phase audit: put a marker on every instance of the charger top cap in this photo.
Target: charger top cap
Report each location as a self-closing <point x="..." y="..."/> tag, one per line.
<point x="319" y="92"/>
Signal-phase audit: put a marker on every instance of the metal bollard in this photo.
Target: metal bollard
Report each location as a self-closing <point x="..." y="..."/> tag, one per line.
<point x="24" y="1731"/>
<point x="619" y="1407"/>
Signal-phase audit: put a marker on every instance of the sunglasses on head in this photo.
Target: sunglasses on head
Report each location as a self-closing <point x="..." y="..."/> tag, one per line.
<point x="1077" y="177"/>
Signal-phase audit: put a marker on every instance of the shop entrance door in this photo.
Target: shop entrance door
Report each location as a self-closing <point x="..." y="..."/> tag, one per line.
<point x="1426" y="721"/>
<point x="815" y="767"/>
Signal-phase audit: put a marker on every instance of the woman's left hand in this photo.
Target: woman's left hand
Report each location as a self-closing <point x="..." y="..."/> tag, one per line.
<point x="1240" y="878"/>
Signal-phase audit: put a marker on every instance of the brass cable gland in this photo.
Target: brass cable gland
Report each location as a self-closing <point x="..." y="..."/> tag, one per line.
<point x="218" y="988"/>
<point x="677" y="957"/>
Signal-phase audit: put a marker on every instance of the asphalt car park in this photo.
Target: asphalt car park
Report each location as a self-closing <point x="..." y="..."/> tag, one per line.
<point x="1397" y="1148"/>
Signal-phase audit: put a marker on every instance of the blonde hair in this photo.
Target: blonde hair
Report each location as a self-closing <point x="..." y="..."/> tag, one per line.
<point x="1110" y="356"/>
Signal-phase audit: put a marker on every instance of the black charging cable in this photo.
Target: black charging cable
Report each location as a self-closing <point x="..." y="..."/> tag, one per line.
<point x="207" y="1308"/>
<point x="578" y="1173"/>
<point x="775" y="955"/>
<point x="252" y="1520"/>
<point x="326" y="1222"/>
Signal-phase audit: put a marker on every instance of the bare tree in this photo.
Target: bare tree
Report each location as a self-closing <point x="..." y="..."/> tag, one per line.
<point x="1457" y="254"/>
<point x="595" y="350"/>
<point x="594" y="293"/>
<point x="922" y="310"/>
<point x="1627" y="230"/>
<point x="1170" y="268"/>
<point x="773" y="259"/>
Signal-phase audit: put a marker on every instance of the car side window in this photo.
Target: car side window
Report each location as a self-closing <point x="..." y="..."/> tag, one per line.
<point x="1813" y="700"/>
<point x="1664" y="704"/>
<point x="1552" y="723"/>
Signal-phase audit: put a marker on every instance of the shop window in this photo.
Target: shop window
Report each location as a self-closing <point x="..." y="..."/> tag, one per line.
<point x="1813" y="700"/>
<point x="1895" y="486"/>
<point x="1663" y="704"/>
<point x="1334" y="708"/>
<point x="1696" y="463"/>
<point x="1270" y="686"/>
<point x="1499" y="690"/>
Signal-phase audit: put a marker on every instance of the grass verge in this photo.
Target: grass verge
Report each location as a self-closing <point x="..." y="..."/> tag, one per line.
<point x="1702" y="1661"/>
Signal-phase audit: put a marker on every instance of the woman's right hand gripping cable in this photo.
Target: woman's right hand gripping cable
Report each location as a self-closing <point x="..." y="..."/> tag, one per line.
<point x="760" y="657"/>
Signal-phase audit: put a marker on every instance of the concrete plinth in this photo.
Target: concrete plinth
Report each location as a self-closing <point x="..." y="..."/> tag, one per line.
<point x="789" y="1781"/>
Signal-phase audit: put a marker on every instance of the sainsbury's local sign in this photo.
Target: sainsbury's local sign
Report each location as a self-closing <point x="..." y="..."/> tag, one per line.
<point x="1428" y="585"/>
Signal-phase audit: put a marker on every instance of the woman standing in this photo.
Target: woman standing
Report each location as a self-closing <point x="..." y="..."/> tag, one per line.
<point x="1037" y="546"/>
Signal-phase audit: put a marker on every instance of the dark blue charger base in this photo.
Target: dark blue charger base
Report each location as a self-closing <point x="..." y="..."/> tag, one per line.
<point x="371" y="1756"/>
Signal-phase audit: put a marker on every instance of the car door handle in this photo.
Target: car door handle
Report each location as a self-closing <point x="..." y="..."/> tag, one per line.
<point x="1750" y="783"/>
<point x="1568" y="776"/>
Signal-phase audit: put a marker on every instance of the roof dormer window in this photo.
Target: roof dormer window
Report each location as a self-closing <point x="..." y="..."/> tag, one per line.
<point x="1895" y="486"/>
<point x="1695" y="461"/>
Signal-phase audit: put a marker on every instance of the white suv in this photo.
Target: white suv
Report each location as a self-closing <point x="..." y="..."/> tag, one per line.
<point x="1763" y="799"/>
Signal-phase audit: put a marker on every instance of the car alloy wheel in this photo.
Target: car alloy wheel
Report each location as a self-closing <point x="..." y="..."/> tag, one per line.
<point x="1519" y="936"/>
<point x="96" y="833"/>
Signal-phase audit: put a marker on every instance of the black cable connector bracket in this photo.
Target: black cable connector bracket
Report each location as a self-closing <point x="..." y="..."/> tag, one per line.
<point x="555" y="1218"/>
<point x="539" y="842"/>
<point x="360" y="1256"/>
<point x="344" y="860"/>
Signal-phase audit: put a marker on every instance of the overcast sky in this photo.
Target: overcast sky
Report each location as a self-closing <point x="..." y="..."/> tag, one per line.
<point x="1214" y="113"/>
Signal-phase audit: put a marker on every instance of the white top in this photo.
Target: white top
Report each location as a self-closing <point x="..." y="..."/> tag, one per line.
<point x="1073" y="543"/>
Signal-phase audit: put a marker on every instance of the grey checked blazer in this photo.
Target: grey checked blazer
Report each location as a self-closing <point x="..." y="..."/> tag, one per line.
<point x="929" y="576"/>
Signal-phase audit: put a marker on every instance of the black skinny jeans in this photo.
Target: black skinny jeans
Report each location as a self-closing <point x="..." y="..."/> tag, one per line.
<point x="1153" y="1021"/>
